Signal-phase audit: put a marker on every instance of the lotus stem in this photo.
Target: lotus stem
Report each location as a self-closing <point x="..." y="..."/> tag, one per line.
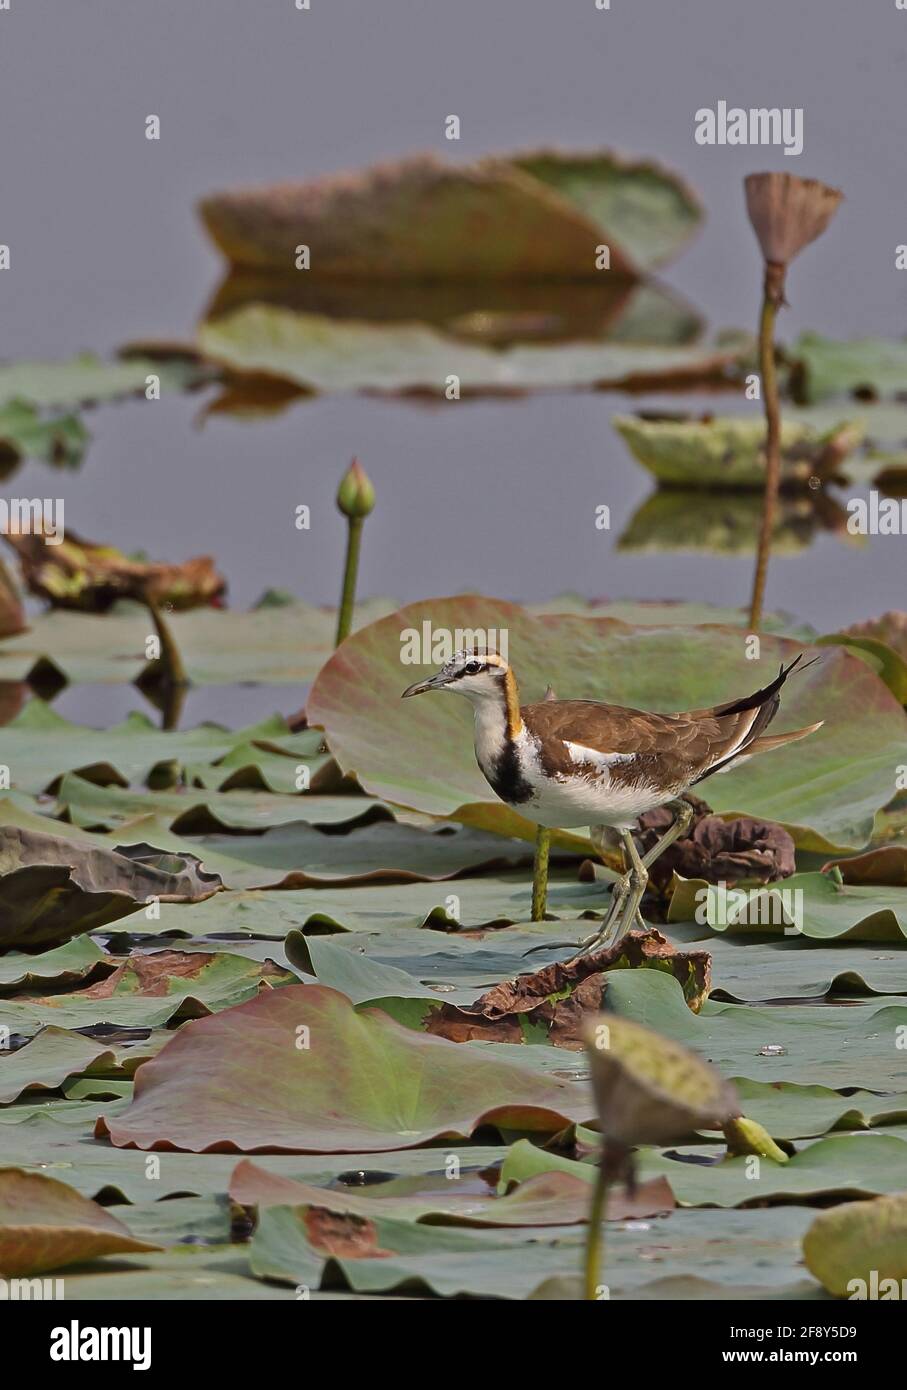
<point x="540" y="874"/>
<point x="170" y="663"/>
<point x="355" y="499"/>
<point x="773" y="297"/>
<point x="350" y="573"/>
<point x="594" y="1238"/>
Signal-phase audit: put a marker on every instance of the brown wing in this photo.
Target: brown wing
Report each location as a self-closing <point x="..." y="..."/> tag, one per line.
<point x="671" y="750"/>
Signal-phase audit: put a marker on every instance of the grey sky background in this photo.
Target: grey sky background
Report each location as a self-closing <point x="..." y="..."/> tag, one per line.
<point x="496" y="495"/>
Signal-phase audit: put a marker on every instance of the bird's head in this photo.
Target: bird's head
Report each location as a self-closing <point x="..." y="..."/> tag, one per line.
<point x="478" y="674"/>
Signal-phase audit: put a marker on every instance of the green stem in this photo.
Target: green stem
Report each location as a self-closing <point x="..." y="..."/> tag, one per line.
<point x="540" y="874"/>
<point x="350" y="572"/>
<point x="594" y="1238"/>
<point x="773" y="297"/>
<point x="172" y="671"/>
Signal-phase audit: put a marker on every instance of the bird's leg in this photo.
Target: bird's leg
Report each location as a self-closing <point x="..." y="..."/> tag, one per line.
<point x="676" y="831"/>
<point x="632" y="916"/>
<point x="639" y="877"/>
<point x="619" y="893"/>
<point x="540" y="874"/>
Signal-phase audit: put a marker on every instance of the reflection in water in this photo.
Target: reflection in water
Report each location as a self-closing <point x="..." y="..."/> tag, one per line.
<point x="494" y="312"/>
<point x="727" y="523"/>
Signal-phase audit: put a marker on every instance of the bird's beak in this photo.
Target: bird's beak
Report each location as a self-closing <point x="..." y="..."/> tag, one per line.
<point x="433" y="683"/>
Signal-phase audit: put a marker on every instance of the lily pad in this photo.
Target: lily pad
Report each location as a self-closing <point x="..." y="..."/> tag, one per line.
<point x="541" y="214"/>
<point x="40" y="745"/>
<point x="190" y="812"/>
<point x="805" y="1044"/>
<point x="347" y="355"/>
<point x="841" y="1165"/>
<point x="61" y="966"/>
<point x="25" y="433"/>
<point x="827" y="367"/>
<point x="830" y="910"/>
<point x="299" y="1070"/>
<point x="85" y="380"/>
<point x="53" y="888"/>
<point x="49" y="1060"/>
<point x="147" y="991"/>
<point x="860" y="1247"/>
<point x="729" y="452"/>
<point x="218" y="646"/>
<point x="824" y="790"/>
<point x="44" y="1225"/>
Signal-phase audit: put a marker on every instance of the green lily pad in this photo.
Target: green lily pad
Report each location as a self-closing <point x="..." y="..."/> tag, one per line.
<point x="363" y="1082"/>
<point x="827" y="367"/>
<point x="189" y="813"/>
<point x="65" y="1147"/>
<point x="49" y="1060"/>
<point x="290" y="1246"/>
<point x="218" y="646"/>
<point x="27" y="434"/>
<point x="61" y="966"/>
<point x="800" y="1112"/>
<point x="729" y="452"/>
<point x="806" y="1044"/>
<point x="824" y="790"/>
<point x="492" y="900"/>
<point x="40" y="745"/>
<point x="54" y="887"/>
<point x="830" y="910"/>
<point x="147" y="991"/>
<point x="649" y="211"/>
<point x="860" y="1250"/>
<point x="44" y="1225"/>
<point x="841" y="1165"/>
<point x="203" y="1220"/>
<point x="747" y="968"/>
<point x="325" y="354"/>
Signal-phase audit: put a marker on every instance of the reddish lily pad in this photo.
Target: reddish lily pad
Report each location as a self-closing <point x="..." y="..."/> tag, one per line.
<point x="298" y="1070"/>
<point x="44" y="1225"/>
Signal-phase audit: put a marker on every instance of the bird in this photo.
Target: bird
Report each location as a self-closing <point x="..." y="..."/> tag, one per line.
<point x="568" y="763"/>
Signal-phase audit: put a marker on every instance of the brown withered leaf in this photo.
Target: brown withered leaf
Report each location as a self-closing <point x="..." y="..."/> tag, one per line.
<point x="89" y="577"/>
<point x="561" y="997"/>
<point x="885" y="865"/>
<point x="719" y="851"/>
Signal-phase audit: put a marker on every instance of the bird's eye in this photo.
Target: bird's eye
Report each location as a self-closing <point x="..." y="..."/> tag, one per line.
<point x="472" y="668"/>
